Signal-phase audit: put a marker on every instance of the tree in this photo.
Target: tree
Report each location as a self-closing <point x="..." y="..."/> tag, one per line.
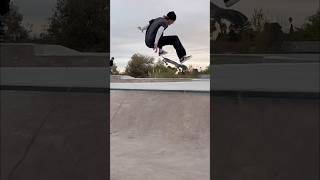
<point x="4" y="7"/>
<point x="114" y="70"/>
<point x="258" y="19"/>
<point x="139" y="66"/>
<point x="159" y="70"/>
<point x="206" y="70"/>
<point x="80" y="24"/>
<point x="16" y="32"/>
<point x="270" y="39"/>
<point x="312" y="27"/>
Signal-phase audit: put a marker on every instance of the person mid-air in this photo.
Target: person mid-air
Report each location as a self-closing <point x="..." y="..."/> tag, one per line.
<point x="154" y="36"/>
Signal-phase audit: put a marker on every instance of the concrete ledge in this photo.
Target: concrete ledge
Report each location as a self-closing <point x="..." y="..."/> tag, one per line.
<point x="93" y="77"/>
<point x="263" y="58"/>
<point x="191" y="86"/>
<point x="267" y="77"/>
<point x="45" y="55"/>
<point x="282" y="95"/>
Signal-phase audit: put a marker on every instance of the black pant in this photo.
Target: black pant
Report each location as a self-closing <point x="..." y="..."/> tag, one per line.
<point x="172" y="40"/>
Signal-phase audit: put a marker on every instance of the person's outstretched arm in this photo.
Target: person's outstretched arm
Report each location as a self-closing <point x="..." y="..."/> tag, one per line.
<point x="143" y="28"/>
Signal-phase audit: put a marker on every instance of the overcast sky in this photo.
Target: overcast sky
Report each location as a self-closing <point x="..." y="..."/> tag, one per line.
<point x="192" y="27"/>
<point x="35" y="12"/>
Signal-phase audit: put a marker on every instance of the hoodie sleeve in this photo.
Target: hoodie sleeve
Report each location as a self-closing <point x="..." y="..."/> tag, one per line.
<point x="159" y="33"/>
<point x="144" y="27"/>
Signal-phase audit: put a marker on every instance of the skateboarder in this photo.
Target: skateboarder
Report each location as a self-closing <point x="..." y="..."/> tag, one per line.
<point x="111" y="61"/>
<point x="154" y="36"/>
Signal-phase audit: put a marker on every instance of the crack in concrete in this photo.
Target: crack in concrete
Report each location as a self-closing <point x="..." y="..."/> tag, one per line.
<point x="33" y="139"/>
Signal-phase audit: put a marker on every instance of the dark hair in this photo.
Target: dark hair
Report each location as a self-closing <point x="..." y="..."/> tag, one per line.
<point x="171" y="15"/>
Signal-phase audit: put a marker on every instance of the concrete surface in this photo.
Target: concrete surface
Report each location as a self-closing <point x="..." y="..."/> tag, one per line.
<point x="55" y="76"/>
<point x="53" y="49"/>
<point x="263" y="77"/>
<point x="280" y="77"/>
<point x="301" y="46"/>
<point x="268" y="77"/>
<point x="124" y="79"/>
<point x="49" y="130"/>
<point x="264" y="58"/>
<point x="54" y="135"/>
<point x="264" y="138"/>
<point x="35" y="55"/>
<point x="159" y="135"/>
<point x="195" y="85"/>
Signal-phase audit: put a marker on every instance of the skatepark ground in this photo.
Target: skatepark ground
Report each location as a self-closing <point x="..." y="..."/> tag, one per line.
<point x="260" y="114"/>
<point x="265" y="119"/>
<point x="160" y="135"/>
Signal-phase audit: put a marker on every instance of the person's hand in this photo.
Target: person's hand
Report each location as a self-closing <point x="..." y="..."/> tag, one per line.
<point x="155" y="48"/>
<point x="140" y="28"/>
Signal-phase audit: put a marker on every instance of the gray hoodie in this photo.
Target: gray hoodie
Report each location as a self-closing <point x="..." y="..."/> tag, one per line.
<point x="152" y="30"/>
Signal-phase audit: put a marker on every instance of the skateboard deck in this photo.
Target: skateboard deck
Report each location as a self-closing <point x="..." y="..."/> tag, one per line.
<point x="177" y="65"/>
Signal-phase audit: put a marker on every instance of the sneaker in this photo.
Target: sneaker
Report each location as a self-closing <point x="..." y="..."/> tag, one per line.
<point x="229" y="3"/>
<point x="185" y="58"/>
<point x="162" y="52"/>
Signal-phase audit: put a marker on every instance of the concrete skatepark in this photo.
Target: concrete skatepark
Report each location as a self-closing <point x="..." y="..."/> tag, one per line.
<point x="159" y="129"/>
<point x="255" y="109"/>
<point x="160" y="135"/>
<point x="53" y="122"/>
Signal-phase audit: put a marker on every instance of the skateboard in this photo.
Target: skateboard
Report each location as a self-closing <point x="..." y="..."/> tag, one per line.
<point x="177" y="65"/>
